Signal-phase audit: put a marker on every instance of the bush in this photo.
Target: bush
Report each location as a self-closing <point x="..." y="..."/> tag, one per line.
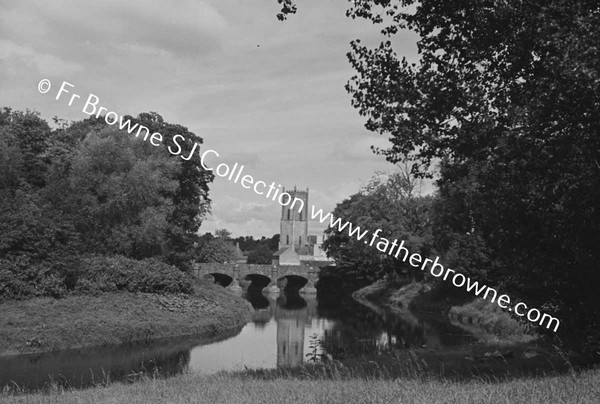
<point x="218" y="250"/>
<point x="262" y="255"/>
<point x="89" y="275"/>
<point x="21" y="280"/>
<point x="13" y="281"/>
<point x="106" y="274"/>
<point x="490" y="318"/>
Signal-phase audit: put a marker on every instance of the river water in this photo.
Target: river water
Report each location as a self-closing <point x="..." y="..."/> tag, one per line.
<point x="285" y="330"/>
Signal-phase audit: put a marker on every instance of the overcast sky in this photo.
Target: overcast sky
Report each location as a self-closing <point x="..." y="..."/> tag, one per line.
<point x="263" y="93"/>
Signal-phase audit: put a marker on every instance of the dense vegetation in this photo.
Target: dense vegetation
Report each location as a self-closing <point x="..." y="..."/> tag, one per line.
<point x="262" y="255"/>
<point x="393" y="204"/>
<point x="221" y="247"/>
<point x="74" y="195"/>
<point x="249" y="243"/>
<point x="505" y="101"/>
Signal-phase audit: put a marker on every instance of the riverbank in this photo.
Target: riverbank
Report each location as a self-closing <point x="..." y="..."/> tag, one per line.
<point x="485" y="320"/>
<point x="46" y="324"/>
<point x="243" y="388"/>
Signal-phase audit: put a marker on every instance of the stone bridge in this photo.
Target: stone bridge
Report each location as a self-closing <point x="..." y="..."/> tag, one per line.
<point x="242" y="272"/>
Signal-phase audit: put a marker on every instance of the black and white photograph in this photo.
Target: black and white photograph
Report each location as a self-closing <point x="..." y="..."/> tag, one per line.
<point x="300" y="201"/>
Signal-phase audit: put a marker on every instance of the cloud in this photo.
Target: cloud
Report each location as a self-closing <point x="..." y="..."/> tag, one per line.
<point x="71" y="31"/>
<point x="14" y="57"/>
<point x="359" y="149"/>
<point x="265" y="94"/>
<point x="243" y="218"/>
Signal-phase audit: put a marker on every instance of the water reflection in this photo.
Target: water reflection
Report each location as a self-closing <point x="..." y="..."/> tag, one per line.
<point x="86" y="367"/>
<point x="274" y="337"/>
<point x="282" y="332"/>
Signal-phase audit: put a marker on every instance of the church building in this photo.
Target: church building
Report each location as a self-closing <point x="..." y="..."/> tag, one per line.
<point x="295" y="245"/>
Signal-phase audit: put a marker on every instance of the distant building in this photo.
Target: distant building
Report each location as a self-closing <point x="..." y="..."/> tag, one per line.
<point x="295" y="244"/>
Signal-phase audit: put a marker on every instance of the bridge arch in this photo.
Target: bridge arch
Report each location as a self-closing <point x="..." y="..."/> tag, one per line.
<point x="292" y="282"/>
<point x="221" y="279"/>
<point x="255" y="281"/>
<point x="242" y="273"/>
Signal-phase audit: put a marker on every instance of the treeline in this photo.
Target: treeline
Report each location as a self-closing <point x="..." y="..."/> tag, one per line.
<point x="221" y="247"/>
<point x="86" y="191"/>
<point x="505" y="102"/>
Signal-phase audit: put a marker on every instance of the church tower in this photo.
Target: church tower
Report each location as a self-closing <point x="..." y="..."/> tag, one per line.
<point x="294" y="221"/>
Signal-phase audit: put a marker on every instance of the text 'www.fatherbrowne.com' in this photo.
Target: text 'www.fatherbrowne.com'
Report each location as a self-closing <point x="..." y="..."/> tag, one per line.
<point x="276" y="193"/>
<point x="399" y="251"/>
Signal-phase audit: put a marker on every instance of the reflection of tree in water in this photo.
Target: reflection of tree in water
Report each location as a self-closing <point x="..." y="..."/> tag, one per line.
<point x="361" y="329"/>
<point x="348" y="328"/>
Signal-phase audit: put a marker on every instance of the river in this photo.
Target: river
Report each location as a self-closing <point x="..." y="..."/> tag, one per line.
<point x="285" y="330"/>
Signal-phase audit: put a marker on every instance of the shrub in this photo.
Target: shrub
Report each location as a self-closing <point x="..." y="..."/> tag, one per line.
<point x="106" y="274"/>
<point x="218" y="250"/>
<point x="490" y="318"/>
<point x="89" y="275"/>
<point x="13" y="281"/>
<point x="262" y="255"/>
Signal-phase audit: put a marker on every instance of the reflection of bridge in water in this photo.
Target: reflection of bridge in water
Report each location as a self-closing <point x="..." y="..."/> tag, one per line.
<point x="293" y="314"/>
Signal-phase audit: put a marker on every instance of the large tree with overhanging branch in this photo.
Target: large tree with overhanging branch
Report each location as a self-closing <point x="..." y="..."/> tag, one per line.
<point x="505" y="98"/>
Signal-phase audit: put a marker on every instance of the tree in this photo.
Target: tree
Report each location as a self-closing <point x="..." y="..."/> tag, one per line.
<point x="191" y="201"/>
<point x="392" y="204"/>
<point x="262" y="255"/>
<point x="218" y="250"/>
<point x="118" y="194"/>
<point x="223" y="233"/>
<point x="506" y="96"/>
<point x="27" y="135"/>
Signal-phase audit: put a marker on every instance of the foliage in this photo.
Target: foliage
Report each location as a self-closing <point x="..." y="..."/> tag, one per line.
<point x="23" y="136"/>
<point x="86" y="188"/>
<point x="287" y="7"/>
<point x="505" y="95"/>
<point x="218" y="250"/>
<point x="262" y="255"/>
<point x="107" y="274"/>
<point x="249" y="243"/>
<point x="89" y="188"/>
<point x="89" y="275"/>
<point x="489" y="317"/>
<point x="223" y="233"/>
<point x="393" y="205"/>
<point x="33" y="232"/>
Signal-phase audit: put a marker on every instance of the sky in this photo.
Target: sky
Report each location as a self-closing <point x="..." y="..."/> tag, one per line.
<point x="263" y="93"/>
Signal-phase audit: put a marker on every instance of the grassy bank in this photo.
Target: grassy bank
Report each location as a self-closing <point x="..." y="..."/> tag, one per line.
<point x="47" y="324"/>
<point x="489" y="322"/>
<point x="485" y="320"/>
<point x="242" y="388"/>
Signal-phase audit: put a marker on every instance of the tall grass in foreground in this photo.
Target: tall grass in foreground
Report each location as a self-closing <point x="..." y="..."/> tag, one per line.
<point x="243" y="388"/>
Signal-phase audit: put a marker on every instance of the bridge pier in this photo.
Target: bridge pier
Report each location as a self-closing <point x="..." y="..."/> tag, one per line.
<point x="309" y="288"/>
<point x="272" y="287"/>
<point x="234" y="286"/>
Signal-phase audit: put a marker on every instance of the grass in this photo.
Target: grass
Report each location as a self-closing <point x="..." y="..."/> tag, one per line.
<point x="490" y="323"/>
<point x="244" y="388"/>
<point x="47" y="324"/>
